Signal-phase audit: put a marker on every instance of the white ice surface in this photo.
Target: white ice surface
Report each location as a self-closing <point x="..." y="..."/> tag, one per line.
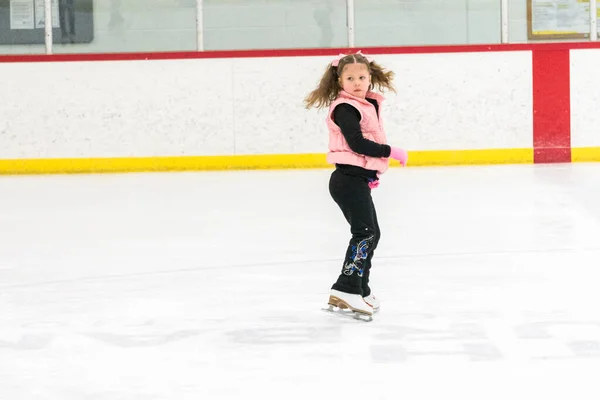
<point x="209" y="286"/>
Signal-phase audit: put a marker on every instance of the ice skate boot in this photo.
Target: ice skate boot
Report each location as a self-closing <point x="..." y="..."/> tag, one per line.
<point x="373" y="302"/>
<point x="353" y="303"/>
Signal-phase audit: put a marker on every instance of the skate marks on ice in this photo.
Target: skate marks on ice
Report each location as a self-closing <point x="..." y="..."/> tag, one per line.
<point x="287" y="331"/>
<point x="487" y="337"/>
<point x="119" y="331"/>
<point x="484" y="336"/>
<point x="392" y="337"/>
<point x="33" y="341"/>
<point x="120" y="338"/>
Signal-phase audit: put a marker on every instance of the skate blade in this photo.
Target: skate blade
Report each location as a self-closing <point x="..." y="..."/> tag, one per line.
<point x="347" y="313"/>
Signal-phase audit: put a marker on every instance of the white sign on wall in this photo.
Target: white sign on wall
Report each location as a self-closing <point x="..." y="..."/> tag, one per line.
<point x="29" y="14"/>
<point x="559" y="19"/>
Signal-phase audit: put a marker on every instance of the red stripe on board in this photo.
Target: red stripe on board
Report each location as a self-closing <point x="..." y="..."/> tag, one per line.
<point x="182" y="55"/>
<point x="551" y="106"/>
<point x="307" y="52"/>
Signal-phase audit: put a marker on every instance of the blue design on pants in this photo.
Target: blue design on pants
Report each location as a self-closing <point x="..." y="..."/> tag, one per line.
<point x="359" y="253"/>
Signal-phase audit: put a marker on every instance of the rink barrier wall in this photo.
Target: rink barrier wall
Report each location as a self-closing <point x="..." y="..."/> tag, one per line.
<point x="541" y="127"/>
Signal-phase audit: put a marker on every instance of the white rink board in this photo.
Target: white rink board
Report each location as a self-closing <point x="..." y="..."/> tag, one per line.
<point x="461" y="101"/>
<point x="253" y="105"/>
<point x="585" y="97"/>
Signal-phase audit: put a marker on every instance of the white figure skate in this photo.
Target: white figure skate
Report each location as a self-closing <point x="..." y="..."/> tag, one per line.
<point x="351" y="305"/>
<point x="373" y="302"/>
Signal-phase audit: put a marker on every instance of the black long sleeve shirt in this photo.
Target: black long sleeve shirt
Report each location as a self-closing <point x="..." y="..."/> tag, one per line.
<point x="348" y="119"/>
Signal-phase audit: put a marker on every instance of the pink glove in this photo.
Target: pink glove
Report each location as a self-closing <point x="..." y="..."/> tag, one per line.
<point x="400" y="155"/>
<point x="373" y="184"/>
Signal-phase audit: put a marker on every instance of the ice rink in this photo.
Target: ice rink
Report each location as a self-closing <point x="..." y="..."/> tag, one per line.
<point x="209" y="285"/>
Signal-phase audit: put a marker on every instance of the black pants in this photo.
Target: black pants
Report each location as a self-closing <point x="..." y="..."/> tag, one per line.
<point x="353" y="195"/>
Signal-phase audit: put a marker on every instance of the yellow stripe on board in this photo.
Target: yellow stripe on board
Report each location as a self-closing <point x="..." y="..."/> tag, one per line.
<point x="262" y="161"/>
<point x="470" y="157"/>
<point x="585" y="154"/>
<point x="157" y="164"/>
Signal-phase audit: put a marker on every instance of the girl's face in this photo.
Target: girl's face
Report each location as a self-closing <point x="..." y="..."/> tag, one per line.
<point x="356" y="79"/>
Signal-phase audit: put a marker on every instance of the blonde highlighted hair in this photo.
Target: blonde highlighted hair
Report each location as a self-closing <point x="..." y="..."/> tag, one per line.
<point x="329" y="86"/>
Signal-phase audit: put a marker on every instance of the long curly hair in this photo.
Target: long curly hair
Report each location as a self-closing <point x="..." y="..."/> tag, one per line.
<point x="329" y="86"/>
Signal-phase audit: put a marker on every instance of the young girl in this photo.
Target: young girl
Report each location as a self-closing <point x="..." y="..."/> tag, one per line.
<point x="358" y="149"/>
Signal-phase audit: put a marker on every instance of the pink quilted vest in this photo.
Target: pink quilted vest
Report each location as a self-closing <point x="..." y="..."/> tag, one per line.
<point x="371" y="127"/>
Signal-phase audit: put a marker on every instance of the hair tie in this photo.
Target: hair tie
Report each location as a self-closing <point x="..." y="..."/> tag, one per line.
<point x="336" y="61"/>
<point x="369" y="58"/>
